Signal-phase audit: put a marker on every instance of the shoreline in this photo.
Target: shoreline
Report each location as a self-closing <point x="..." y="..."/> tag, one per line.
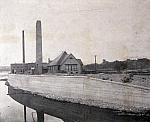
<point x="83" y="90"/>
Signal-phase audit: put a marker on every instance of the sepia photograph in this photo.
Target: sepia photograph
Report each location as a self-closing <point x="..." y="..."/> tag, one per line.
<point x="74" y="60"/>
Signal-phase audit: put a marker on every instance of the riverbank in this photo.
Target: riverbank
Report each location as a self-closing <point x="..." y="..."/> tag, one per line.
<point x="86" y="90"/>
<point x="139" y="80"/>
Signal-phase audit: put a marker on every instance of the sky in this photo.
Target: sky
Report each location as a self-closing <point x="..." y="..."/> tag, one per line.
<point x="110" y="29"/>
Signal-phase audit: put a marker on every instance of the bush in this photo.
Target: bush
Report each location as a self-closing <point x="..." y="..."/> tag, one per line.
<point x="128" y="78"/>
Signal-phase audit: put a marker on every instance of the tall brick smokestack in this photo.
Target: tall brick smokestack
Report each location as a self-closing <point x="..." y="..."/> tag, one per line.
<point x="38" y="47"/>
<point x="23" y="47"/>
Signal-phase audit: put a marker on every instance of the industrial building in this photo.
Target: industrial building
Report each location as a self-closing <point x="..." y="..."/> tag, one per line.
<point x="23" y="68"/>
<point x="27" y="68"/>
<point x="31" y="68"/>
<point x="64" y="63"/>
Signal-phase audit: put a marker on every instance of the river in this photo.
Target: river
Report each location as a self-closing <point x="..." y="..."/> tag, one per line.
<point x="12" y="111"/>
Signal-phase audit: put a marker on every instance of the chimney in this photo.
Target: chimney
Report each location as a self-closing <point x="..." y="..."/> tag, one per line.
<point x="38" y="47"/>
<point x="23" y="47"/>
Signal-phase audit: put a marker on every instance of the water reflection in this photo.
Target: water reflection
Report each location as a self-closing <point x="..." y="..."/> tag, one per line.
<point x="70" y="112"/>
<point x="12" y="111"/>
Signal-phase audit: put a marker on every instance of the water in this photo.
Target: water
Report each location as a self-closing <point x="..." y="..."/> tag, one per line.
<point x="12" y="111"/>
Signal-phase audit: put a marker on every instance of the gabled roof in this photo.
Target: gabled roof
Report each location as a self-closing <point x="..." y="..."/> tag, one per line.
<point x="65" y="58"/>
<point x="62" y="58"/>
<point x="59" y="59"/>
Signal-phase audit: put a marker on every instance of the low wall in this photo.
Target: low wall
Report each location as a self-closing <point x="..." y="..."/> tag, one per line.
<point x="86" y="90"/>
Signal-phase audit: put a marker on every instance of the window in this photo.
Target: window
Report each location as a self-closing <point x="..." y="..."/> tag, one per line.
<point x="71" y="67"/>
<point x="67" y="67"/>
<point x="74" y="67"/>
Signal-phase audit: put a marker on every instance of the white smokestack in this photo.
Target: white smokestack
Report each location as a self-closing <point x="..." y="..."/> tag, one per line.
<point x="39" y="47"/>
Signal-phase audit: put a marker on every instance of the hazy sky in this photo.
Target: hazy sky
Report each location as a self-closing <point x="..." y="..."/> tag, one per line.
<point x="110" y="29"/>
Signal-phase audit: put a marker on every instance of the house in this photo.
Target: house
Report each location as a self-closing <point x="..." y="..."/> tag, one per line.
<point x="65" y="63"/>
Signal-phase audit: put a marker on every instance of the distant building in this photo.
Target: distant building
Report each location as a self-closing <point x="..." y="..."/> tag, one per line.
<point x="27" y="68"/>
<point x="65" y="63"/>
<point x="23" y="68"/>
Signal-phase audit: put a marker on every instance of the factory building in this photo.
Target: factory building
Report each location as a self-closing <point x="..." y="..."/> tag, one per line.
<point x="64" y="63"/>
<point x="27" y="68"/>
<point x="31" y="68"/>
<point x="23" y="68"/>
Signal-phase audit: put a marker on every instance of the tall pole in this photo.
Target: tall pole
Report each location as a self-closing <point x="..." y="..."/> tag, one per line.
<point x="95" y="64"/>
<point x="25" y="116"/>
<point x="23" y="47"/>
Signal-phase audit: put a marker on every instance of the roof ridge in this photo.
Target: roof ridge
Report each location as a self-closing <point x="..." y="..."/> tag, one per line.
<point x="58" y="59"/>
<point x="62" y="56"/>
<point x="67" y="58"/>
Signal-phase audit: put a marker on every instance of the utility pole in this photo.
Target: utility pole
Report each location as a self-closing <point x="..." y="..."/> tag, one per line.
<point x="23" y="47"/>
<point x="95" y="64"/>
<point x="23" y="52"/>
